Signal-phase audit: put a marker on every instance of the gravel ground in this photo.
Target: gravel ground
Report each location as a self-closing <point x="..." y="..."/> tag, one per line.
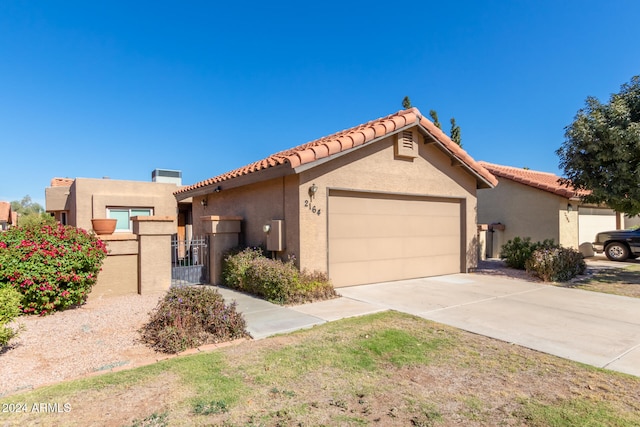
<point x="96" y="337"/>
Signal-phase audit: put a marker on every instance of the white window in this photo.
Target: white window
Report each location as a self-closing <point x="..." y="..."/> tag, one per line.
<point x="123" y="215"/>
<point x="63" y="218"/>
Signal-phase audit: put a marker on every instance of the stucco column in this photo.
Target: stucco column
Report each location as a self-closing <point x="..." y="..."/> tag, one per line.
<point x="154" y="251"/>
<point x="224" y="234"/>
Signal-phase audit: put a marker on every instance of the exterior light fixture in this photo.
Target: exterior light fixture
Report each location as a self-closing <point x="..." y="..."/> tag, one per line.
<point x="312" y="191"/>
<point x="217" y="189"/>
<point x="570" y="207"/>
<point x="204" y="202"/>
<point x="266" y="228"/>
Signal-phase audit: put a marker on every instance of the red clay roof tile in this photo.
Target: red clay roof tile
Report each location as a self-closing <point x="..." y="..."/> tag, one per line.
<point x="347" y="139"/>
<point x="541" y="180"/>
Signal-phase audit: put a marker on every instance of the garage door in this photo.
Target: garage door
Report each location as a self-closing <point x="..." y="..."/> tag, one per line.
<point x="591" y="221"/>
<point x="378" y="237"/>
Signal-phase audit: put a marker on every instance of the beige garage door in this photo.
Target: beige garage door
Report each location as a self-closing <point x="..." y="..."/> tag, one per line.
<point x="376" y="237"/>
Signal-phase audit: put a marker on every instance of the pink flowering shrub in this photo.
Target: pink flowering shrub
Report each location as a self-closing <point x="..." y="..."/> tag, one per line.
<point x="53" y="267"/>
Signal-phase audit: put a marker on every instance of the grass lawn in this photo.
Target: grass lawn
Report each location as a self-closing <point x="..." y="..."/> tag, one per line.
<point x="385" y="369"/>
<point x="623" y="281"/>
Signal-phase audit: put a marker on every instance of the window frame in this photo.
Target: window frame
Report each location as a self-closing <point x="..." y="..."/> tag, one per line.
<point x="129" y="210"/>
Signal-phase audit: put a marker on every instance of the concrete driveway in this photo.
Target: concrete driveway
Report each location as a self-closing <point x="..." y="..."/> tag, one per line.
<point x="593" y="328"/>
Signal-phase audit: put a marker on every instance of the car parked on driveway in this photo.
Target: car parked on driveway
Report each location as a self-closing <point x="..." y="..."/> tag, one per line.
<point x="618" y="245"/>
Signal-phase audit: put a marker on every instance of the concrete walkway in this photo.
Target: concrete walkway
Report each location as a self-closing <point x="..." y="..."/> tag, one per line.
<point x="597" y="329"/>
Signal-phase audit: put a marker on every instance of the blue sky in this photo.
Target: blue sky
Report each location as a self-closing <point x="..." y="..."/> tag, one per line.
<point x="93" y="89"/>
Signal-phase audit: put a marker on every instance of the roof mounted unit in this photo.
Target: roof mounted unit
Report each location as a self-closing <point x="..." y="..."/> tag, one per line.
<point x="167" y="176"/>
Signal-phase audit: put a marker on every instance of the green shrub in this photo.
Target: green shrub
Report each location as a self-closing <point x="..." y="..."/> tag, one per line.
<point x="53" y="267"/>
<point x="556" y="264"/>
<point x="235" y="265"/>
<point x="190" y="316"/>
<point x="516" y="252"/>
<point x="9" y="309"/>
<point x="274" y="280"/>
<point x="280" y="282"/>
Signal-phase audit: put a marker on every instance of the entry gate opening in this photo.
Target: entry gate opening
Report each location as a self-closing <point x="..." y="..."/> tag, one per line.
<point x="189" y="261"/>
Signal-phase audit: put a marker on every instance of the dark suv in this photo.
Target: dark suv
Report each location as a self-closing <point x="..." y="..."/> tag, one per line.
<point x="618" y="245"/>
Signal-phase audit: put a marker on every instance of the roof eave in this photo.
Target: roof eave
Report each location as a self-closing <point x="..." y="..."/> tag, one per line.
<point x="272" y="172"/>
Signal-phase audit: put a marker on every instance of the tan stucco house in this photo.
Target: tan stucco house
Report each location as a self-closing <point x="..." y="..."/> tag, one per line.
<point x="528" y="203"/>
<point x="77" y="201"/>
<point x="390" y="199"/>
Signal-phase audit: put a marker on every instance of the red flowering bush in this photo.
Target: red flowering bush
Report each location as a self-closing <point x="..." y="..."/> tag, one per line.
<point x="53" y="267"/>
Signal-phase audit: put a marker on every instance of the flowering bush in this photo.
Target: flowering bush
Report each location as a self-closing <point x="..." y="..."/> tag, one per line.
<point x="53" y="267"/>
<point x="556" y="264"/>
<point x="280" y="282"/>
<point x="190" y="316"/>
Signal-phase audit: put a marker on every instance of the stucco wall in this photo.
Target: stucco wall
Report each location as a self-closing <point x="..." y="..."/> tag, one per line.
<point x="375" y="168"/>
<point x="91" y="197"/>
<point x="528" y="212"/>
<point x="257" y="204"/>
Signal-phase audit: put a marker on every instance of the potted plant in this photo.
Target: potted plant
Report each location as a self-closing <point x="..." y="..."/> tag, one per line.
<point x="103" y="226"/>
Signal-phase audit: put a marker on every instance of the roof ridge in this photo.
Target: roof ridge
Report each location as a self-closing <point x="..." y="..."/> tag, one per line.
<point x="346" y="139"/>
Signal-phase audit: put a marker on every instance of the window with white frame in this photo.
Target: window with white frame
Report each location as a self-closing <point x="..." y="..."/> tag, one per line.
<point x="124" y="215"/>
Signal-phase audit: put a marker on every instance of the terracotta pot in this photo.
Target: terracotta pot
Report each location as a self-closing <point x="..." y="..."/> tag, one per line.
<point x="104" y="225"/>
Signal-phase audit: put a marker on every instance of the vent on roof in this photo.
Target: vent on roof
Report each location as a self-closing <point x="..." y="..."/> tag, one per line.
<point x="406" y="146"/>
<point x="167" y="176"/>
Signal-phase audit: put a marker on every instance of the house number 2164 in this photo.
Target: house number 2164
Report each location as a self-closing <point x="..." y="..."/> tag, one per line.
<point x="312" y="208"/>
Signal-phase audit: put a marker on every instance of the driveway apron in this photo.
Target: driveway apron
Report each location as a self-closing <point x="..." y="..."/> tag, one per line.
<point x="589" y="327"/>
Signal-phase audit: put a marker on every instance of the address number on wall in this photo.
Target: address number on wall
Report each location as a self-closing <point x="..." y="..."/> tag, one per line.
<point x="312" y="208"/>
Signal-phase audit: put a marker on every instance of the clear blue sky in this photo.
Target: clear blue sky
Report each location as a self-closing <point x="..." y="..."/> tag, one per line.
<point x="119" y="88"/>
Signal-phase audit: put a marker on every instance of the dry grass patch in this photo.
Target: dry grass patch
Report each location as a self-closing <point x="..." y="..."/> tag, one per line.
<point x="385" y="369"/>
<point x="624" y="281"/>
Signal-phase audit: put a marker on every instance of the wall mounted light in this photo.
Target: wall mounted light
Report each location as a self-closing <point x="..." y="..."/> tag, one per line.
<point x="570" y="207"/>
<point x="312" y="191"/>
<point x="204" y="202"/>
<point x="266" y="228"/>
<point x="217" y="189"/>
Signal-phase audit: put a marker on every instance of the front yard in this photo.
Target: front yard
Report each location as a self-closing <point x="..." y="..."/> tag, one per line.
<point x="619" y="280"/>
<point x="383" y="369"/>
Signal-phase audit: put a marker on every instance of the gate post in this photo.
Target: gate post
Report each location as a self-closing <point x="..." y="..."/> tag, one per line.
<point x="154" y="252"/>
<point x="223" y="234"/>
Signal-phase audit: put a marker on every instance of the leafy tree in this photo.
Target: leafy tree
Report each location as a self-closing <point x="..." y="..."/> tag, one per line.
<point x="30" y="212"/>
<point x="601" y="151"/>
<point x="26" y="206"/>
<point x="455" y="132"/>
<point x="406" y="103"/>
<point x="434" y="118"/>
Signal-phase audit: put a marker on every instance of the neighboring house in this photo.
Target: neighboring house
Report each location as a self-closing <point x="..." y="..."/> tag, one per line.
<point x="391" y="199"/>
<point x="7" y="216"/>
<point x="528" y="203"/>
<point x="77" y="201"/>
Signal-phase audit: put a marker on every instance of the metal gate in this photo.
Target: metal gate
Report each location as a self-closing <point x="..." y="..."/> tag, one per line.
<point x="189" y="261"/>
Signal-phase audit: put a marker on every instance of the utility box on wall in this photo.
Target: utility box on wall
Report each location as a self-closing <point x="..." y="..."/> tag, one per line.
<point x="275" y="236"/>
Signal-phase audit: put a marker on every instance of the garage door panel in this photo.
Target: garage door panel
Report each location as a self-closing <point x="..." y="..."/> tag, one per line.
<point x="375" y="238"/>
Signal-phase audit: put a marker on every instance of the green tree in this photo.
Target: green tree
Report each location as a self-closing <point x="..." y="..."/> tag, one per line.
<point x="455" y="132"/>
<point x="434" y="118"/>
<point x="406" y="103"/>
<point x="601" y="151"/>
<point x="26" y="206"/>
<point x="31" y="213"/>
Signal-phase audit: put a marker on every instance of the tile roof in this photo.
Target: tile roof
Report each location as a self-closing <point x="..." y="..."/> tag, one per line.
<point x="348" y="139"/>
<point x="5" y="212"/>
<point x="61" y="182"/>
<point x="541" y="180"/>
